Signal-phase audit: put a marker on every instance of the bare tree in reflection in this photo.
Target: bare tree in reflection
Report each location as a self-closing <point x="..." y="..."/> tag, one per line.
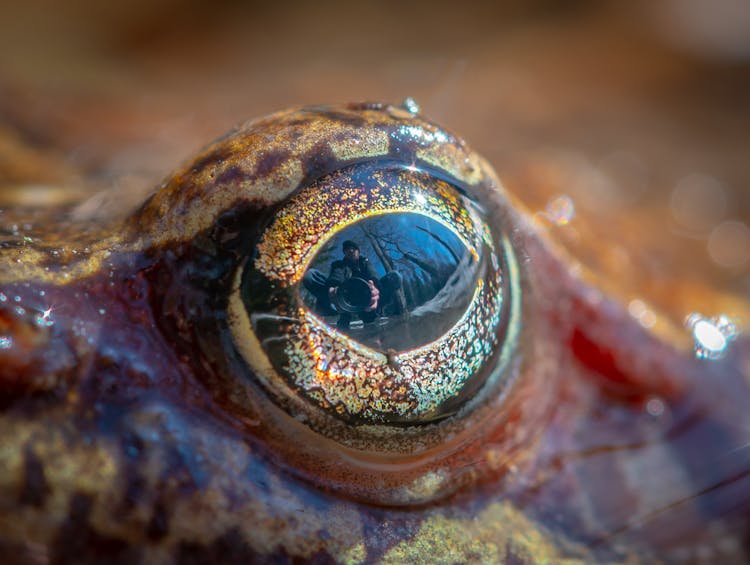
<point x="442" y="242"/>
<point x="425" y="273"/>
<point x="436" y="276"/>
<point x="376" y="239"/>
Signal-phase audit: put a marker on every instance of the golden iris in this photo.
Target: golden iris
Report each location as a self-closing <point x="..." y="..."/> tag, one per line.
<point x="379" y="294"/>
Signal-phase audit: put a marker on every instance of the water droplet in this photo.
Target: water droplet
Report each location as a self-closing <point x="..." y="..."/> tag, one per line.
<point x="410" y="105"/>
<point x="642" y="313"/>
<point x="6" y="342"/>
<point x="561" y="210"/>
<point x="655" y="406"/>
<point x="45" y="317"/>
<point x="711" y="335"/>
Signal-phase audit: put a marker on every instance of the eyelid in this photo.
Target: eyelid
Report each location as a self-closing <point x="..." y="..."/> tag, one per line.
<point x="265" y="161"/>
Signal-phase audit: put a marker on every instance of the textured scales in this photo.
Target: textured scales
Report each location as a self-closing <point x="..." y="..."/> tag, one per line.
<point x="130" y="429"/>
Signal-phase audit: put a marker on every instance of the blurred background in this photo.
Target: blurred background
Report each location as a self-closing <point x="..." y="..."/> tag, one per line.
<point x="623" y="127"/>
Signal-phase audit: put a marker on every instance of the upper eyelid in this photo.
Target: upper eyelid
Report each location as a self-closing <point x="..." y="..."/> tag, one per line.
<point x="265" y="161"/>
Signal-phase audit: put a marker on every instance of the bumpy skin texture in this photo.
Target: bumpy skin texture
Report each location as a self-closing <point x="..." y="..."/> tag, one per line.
<point x="131" y="429"/>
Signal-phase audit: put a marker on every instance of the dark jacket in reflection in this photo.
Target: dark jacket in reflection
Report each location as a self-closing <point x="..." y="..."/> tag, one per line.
<point x="345" y="269"/>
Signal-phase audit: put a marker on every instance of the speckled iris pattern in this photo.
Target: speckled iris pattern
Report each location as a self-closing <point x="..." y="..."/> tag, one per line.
<point x="310" y="218"/>
<point x="311" y="357"/>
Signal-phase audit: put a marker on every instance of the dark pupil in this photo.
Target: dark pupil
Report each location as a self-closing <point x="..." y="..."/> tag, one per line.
<point x="392" y="282"/>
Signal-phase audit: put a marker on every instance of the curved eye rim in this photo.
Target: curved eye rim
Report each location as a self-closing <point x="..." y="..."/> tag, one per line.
<point x="249" y="346"/>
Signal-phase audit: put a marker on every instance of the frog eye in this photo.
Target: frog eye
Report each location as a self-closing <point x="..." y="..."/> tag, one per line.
<point x="342" y="282"/>
<point x="378" y="294"/>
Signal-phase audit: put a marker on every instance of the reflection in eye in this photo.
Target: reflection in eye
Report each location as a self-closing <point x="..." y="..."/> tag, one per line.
<point x="380" y="294"/>
<point x="420" y="271"/>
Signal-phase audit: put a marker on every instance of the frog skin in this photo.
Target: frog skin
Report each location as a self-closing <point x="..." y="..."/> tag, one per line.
<point x="132" y="430"/>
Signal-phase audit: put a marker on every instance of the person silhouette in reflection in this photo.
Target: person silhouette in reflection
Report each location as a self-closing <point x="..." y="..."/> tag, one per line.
<point x="352" y="287"/>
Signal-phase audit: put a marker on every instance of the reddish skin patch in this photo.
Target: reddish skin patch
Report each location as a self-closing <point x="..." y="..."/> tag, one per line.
<point x="599" y="359"/>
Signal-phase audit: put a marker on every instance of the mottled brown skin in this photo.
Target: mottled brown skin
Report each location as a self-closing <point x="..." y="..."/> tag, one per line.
<point x="131" y="429"/>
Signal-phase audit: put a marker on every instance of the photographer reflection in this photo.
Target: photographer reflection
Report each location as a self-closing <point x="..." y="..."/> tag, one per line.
<point x="353" y="288"/>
